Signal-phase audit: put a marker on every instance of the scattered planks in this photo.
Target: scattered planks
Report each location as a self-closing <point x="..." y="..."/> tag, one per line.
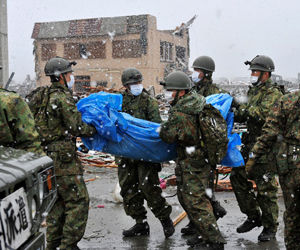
<point x="97" y="159"/>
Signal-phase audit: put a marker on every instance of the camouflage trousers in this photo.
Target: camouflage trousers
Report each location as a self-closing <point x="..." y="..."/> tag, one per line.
<point x="191" y="191"/>
<point x="67" y="219"/>
<point x="139" y="181"/>
<point x="290" y="184"/>
<point x="266" y="198"/>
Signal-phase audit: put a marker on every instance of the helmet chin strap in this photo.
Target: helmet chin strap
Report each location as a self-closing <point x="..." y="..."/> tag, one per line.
<point x="204" y="78"/>
<point x="176" y="98"/>
<point x="65" y="81"/>
<point x="259" y="79"/>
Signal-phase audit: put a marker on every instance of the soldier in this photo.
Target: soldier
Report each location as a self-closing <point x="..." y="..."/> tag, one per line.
<point x="192" y="168"/>
<point x="138" y="179"/>
<point x="58" y="131"/>
<point x="261" y="97"/>
<point x="204" y="66"/>
<point x="282" y="126"/>
<point x="17" y="127"/>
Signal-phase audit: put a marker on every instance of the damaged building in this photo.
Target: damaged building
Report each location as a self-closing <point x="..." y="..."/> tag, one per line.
<point x="104" y="47"/>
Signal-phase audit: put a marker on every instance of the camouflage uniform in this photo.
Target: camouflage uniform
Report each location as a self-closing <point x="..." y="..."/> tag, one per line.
<point x="139" y="180"/>
<point x="67" y="219"/>
<point x="192" y="170"/>
<point x="260" y="100"/>
<point x="207" y="87"/>
<point x="17" y="127"/>
<point x="283" y="126"/>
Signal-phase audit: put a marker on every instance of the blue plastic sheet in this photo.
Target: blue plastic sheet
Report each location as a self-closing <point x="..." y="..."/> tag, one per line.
<point x="121" y="134"/>
<point x="222" y="102"/>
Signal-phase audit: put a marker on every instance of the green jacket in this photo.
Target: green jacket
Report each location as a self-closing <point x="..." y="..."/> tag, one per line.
<point x="65" y="124"/>
<point x="282" y="127"/>
<point x="17" y="127"/>
<point x="182" y="128"/>
<point x="261" y="99"/>
<point x="142" y="106"/>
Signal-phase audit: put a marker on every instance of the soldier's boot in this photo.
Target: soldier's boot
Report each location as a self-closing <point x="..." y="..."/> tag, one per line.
<point x="267" y="234"/>
<point x="75" y="247"/>
<point x="168" y="227"/>
<point x="196" y="240"/>
<point x="249" y="224"/>
<point x="69" y="247"/>
<point x="137" y="230"/>
<point x="218" y="210"/>
<point x="215" y="246"/>
<point x="189" y="229"/>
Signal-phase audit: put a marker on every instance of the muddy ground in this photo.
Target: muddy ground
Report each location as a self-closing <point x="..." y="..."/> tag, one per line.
<point x="107" y="219"/>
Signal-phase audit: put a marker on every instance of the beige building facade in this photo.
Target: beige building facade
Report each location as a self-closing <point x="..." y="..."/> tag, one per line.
<point x="104" y="47"/>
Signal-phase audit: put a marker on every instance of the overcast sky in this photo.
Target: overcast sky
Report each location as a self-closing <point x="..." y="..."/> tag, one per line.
<point x="230" y="31"/>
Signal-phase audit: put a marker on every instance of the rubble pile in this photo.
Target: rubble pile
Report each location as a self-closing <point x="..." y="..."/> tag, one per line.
<point x="97" y="159"/>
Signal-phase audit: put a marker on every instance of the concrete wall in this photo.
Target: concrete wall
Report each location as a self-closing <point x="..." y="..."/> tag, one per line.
<point x="3" y="43"/>
<point x="110" y="69"/>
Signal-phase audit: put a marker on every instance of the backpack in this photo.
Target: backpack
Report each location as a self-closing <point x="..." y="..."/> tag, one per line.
<point x="213" y="130"/>
<point x="37" y="101"/>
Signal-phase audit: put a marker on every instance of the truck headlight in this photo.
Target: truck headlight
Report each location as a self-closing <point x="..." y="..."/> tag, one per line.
<point x="41" y="190"/>
<point x="33" y="208"/>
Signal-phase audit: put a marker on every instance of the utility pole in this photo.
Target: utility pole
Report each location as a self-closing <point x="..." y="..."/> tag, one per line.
<point x="3" y="43"/>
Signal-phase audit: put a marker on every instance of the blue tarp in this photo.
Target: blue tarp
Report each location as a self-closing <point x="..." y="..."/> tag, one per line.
<point x="222" y="102"/>
<point x="123" y="135"/>
<point x="120" y="133"/>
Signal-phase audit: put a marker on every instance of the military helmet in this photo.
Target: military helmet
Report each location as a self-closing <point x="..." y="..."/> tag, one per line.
<point x="131" y="75"/>
<point x="204" y="62"/>
<point x="177" y="80"/>
<point x="58" y="65"/>
<point x="261" y="63"/>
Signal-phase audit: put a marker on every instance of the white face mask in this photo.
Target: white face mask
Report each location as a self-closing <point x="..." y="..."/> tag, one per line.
<point x="254" y="79"/>
<point x="195" y="77"/>
<point x="71" y="82"/>
<point x="168" y="96"/>
<point x="136" y="89"/>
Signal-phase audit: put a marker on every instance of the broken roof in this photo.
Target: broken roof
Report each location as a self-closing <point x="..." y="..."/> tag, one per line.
<point x="91" y="27"/>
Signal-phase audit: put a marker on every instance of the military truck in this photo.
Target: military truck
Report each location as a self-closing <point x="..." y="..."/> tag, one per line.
<point x="27" y="193"/>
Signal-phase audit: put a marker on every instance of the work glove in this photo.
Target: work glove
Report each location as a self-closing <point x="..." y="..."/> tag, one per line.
<point x="250" y="169"/>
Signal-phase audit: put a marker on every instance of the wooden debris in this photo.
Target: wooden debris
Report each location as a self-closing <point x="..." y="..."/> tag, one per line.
<point x="179" y="218"/>
<point x="91" y="179"/>
<point x="97" y="159"/>
<point x="223" y="185"/>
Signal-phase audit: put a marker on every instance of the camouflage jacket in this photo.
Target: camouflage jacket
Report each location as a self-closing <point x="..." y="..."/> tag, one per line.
<point x="65" y="124"/>
<point x="142" y="106"/>
<point x="17" y="127"/>
<point x="182" y="128"/>
<point x="282" y="126"/>
<point x="261" y="98"/>
<point x="207" y="88"/>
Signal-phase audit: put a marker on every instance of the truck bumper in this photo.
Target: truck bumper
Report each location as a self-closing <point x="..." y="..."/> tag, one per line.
<point x="36" y="242"/>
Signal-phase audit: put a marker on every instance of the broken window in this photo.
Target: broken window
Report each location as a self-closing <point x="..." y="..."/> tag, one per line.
<point x="166" y="51"/>
<point x="83" y="51"/>
<point x="102" y="83"/>
<point x="90" y="50"/>
<point x="180" y="52"/>
<point x="72" y="51"/>
<point x="48" y="51"/>
<point x="126" y="49"/>
<point x="82" y="83"/>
